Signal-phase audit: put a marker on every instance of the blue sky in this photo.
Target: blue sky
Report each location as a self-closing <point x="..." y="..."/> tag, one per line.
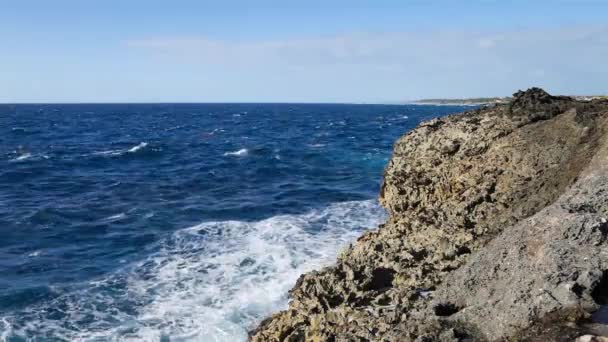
<point x="297" y="51"/>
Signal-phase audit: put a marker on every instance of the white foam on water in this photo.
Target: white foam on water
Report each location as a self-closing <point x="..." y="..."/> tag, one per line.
<point x="121" y="152"/>
<point x="214" y="281"/>
<point x="6" y="331"/>
<point x="138" y="147"/>
<point x="34" y="254"/>
<point x="240" y="153"/>
<point x="28" y="156"/>
<point x="108" y="153"/>
<point x="210" y="282"/>
<point x="116" y="217"/>
<point x="22" y="157"/>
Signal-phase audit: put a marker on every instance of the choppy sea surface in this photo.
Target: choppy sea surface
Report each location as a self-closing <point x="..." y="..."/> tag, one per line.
<point x="179" y="222"/>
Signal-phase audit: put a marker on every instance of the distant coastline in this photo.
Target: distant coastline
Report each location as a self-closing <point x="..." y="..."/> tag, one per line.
<point x="465" y="102"/>
<point x="490" y="100"/>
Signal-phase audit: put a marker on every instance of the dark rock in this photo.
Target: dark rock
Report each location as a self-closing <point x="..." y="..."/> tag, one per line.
<point x="535" y="104"/>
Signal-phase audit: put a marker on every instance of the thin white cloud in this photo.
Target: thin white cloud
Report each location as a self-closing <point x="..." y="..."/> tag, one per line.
<point x="423" y="49"/>
<point x="441" y="63"/>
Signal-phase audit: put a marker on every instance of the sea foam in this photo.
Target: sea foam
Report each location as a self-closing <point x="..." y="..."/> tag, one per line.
<point x="138" y="147"/>
<point x="209" y="282"/>
<point x="121" y="152"/>
<point x="22" y="157"/>
<point x="29" y="156"/>
<point x="214" y="281"/>
<point x="239" y="153"/>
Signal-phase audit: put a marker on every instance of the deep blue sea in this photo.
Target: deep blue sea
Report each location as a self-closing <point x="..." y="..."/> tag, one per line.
<point x="179" y="222"/>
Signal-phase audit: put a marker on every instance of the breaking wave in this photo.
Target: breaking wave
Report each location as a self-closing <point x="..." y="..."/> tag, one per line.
<point x="239" y="153"/>
<point x="138" y="147"/>
<point x="210" y="282"/>
<point x="22" y="157"/>
<point x="121" y="152"/>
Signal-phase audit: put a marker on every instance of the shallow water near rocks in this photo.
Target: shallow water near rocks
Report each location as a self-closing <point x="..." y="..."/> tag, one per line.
<point x="179" y="222"/>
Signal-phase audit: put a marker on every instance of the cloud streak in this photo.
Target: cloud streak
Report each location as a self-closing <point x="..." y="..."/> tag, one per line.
<point x="478" y="63"/>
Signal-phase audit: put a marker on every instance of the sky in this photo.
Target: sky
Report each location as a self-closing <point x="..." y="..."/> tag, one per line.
<point x="298" y="51"/>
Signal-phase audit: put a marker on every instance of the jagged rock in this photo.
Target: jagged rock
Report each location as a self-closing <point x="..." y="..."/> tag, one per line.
<point x="497" y="231"/>
<point x="535" y="104"/>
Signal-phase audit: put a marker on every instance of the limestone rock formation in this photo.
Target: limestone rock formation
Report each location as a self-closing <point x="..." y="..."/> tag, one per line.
<point x="497" y="231"/>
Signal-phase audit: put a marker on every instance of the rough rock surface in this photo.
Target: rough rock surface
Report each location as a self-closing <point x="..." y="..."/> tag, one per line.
<point x="497" y="231"/>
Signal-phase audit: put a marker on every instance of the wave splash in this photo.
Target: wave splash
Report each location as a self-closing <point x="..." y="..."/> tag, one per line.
<point x="27" y="156"/>
<point x="22" y="157"/>
<point x="210" y="282"/>
<point x="138" y="147"/>
<point x="240" y="153"/>
<point x="122" y="152"/>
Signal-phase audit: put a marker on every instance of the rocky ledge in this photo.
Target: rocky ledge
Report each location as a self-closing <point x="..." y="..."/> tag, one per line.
<point x="497" y="232"/>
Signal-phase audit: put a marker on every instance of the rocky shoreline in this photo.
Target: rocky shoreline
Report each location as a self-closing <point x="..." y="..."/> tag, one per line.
<point x="497" y="232"/>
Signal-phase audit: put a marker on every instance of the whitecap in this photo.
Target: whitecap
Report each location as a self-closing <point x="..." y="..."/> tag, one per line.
<point x="108" y="153"/>
<point x="138" y="147"/>
<point x="115" y="217"/>
<point x="240" y="153"/>
<point x="34" y="254"/>
<point x="112" y="153"/>
<point x="22" y="157"/>
<point x="29" y="156"/>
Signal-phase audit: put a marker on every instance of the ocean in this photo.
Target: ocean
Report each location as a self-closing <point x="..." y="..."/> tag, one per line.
<point x="179" y="222"/>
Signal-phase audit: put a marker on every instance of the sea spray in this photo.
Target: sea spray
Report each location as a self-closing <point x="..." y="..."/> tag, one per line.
<point x="210" y="282"/>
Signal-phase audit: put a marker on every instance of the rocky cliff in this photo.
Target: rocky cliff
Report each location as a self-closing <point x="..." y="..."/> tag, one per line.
<point x="497" y="231"/>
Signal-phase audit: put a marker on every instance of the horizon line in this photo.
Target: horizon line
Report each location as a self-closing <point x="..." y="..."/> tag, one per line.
<point x="395" y="103"/>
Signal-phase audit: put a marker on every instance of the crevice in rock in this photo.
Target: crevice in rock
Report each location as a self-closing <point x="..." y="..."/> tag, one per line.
<point x="419" y="255"/>
<point x="445" y="309"/>
<point x="382" y="278"/>
<point x="333" y="301"/>
<point x="462" y="250"/>
<point x="578" y="290"/>
<point x="600" y="292"/>
<point x="462" y="335"/>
